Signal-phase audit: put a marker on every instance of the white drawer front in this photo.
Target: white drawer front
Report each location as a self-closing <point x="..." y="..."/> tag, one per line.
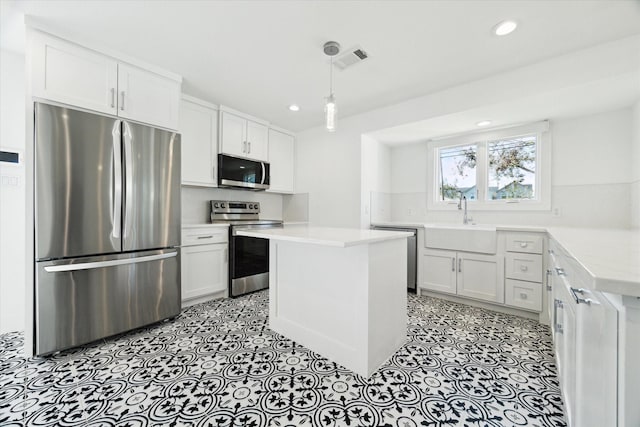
<point x="524" y="295"/>
<point x="524" y="267"/>
<point x="524" y="242"/>
<point x="204" y="236"/>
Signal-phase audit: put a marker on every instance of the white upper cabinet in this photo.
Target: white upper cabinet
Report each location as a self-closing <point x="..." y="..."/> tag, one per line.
<point x="281" y="160"/>
<point x="243" y="137"/>
<point x="147" y="97"/>
<point x="71" y="74"/>
<point x="257" y="141"/>
<point x="233" y="134"/>
<point x="199" y="130"/>
<point x="74" y="75"/>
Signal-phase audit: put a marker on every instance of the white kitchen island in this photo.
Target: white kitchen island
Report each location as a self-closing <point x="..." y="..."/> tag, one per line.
<point x="340" y="292"/>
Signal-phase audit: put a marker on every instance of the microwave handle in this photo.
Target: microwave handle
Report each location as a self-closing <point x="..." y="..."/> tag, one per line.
<point x="263" y="172"/>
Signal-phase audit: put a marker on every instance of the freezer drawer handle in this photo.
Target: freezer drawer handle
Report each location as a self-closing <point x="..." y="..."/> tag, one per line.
<point x="102" y="264"/>
<point x="205" y="237"/>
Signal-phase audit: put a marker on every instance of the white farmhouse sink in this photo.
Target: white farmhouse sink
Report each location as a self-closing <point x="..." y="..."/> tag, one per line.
<point x="458" y="237"/>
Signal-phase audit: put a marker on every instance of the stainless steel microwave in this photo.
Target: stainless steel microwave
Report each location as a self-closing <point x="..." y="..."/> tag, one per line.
<point x="235" y="172"/>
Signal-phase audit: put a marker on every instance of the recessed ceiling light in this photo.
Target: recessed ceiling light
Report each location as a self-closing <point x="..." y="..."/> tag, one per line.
<point x="504" y="28"/>
<point x="294" y="107"/>
<point x="484" y="123"/>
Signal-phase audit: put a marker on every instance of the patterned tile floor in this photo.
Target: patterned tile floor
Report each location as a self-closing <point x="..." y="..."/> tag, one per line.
<point x="219" y="365"/>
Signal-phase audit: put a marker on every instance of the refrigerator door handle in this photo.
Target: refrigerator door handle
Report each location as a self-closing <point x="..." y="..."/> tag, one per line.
<point x="128" y="178"/>
<point x="117" y="180"/>
<point x="102" y="264"/>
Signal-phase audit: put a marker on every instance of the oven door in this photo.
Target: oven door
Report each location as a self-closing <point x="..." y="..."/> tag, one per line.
<point x="242" y="173"/>
<point x="249" y="261"/>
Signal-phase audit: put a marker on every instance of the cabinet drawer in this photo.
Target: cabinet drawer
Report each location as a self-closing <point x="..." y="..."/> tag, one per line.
<point x="524" y="295"/>
<point x="524" y="242"/>
<point x="523" y="267"/>
<point x="204" y="236"/>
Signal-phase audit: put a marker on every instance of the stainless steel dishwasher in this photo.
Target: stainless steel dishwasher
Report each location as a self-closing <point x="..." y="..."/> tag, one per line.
<point x="412" y="249"/>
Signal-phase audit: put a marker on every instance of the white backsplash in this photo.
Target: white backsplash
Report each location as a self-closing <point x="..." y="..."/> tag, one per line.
<point x="604" y="205"/>
<point x="295" y="207"/>
<point x="195" y="202"/>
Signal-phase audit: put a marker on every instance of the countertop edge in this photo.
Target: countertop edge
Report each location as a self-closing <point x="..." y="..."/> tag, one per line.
<point x="204" y="225"/>
<point x="320" y="241"/>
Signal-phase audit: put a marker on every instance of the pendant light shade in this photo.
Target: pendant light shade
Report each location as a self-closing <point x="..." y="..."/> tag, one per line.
<point x="331" y="49"/>
<point x="331" y="113"/>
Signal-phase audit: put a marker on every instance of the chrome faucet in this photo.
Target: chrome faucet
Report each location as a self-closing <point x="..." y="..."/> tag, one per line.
<point x="465" y="219"/>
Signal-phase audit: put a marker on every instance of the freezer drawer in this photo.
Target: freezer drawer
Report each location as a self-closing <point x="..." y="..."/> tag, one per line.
<point x="85" y="299"/>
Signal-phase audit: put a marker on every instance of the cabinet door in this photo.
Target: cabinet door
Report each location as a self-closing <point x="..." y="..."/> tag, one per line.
<point x="439" y="271"/>
<point x="480" y="276"/>
<point x="281" y="159"/>
<point x="566" y="349"/>
<point x="596" y="361"/>
<point x="147" y="97"/>
<point x="257" y="141"/>
<point x="199" y="129"/>
<point x="204" y="270"/>
<point x="74" y="75"/>
<point x="233" y="135"/>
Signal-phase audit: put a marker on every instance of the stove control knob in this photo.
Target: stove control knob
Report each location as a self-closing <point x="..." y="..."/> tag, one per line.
<point x="252" y="206"/>
<point x="215" y="205"/>
<point x="255" y="206"/>
<point x="222" y="205"/>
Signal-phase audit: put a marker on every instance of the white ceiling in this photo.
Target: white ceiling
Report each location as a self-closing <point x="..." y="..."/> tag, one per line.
<point x="260" y="56"/>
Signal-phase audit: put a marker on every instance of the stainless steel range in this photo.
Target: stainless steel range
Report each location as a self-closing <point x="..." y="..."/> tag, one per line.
<point x="248" y="256"/>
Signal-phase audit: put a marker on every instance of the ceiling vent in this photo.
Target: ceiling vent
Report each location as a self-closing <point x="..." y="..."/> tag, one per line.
<point x="350" y="58"/>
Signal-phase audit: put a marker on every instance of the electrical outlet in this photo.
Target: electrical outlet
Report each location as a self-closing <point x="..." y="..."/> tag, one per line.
<point x="556" y="212"/>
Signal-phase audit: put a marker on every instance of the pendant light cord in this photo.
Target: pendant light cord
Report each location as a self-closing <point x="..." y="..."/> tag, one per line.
<point x="331" y="76"/>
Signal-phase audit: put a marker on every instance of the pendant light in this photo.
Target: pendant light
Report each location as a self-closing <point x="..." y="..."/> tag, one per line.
<point x="331" y="49"/>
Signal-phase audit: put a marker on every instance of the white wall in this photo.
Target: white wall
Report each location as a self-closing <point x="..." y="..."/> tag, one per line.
<point x="328" y="164"/>
<point x="590" y="176"/>
<point x="375" y="181"/>
<point x="635" y="168"/>
<point x="328" y="169"/>
<point x="12" y="194"/>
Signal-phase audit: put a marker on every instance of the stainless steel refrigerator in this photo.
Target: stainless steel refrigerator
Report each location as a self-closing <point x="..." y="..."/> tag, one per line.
<point x="107" y="226"/>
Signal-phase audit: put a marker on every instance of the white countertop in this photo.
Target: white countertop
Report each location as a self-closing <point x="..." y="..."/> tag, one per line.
<point x="205" y="225"/>
<point x="498" y="227"/>
<point x="326" y="236"/>
<point x="611" y="256"/>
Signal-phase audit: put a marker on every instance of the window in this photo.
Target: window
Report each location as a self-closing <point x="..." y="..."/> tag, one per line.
<point x="497" y="170"/>
<point x="512" y="168"/>
<point x="458" y="172"/>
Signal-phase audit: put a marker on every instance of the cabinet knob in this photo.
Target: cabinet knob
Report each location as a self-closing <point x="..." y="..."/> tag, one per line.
<point x="523" y="295"/>
<point x="523" y="268"/>
<point x="523" y="244"/>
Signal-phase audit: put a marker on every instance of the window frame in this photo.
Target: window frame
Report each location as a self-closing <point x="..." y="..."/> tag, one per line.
<point x="542" y="200"/>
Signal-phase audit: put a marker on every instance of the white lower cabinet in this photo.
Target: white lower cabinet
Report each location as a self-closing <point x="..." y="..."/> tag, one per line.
<point x="480" y="277"/>
<point x="439" y="271"/>
<point x="204" y="266"/>
<point x="585" y="329"/>
<point x="461" y="273"/>
<point x="521" y="294"/>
